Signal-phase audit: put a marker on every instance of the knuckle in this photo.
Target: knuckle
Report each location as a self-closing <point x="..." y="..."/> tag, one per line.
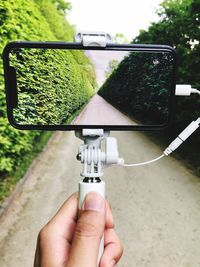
<point x="86" y="229"/>
<point x="43" y="234"/>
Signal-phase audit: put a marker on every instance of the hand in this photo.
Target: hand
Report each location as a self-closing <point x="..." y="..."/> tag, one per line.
<point x="70" y="242"/>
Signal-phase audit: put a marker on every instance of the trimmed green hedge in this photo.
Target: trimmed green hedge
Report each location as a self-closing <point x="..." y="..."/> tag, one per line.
<point x="138" y="87"/>
<point x="35" y="20"/>
<point x="23" y="20"/>
<point x="52" y="85"/>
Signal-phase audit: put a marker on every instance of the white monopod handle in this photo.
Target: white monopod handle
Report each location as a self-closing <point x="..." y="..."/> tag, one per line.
<point x="84" y="189"/>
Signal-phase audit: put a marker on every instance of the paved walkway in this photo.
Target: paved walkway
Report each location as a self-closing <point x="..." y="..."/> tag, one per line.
<point x="156" y="207"/>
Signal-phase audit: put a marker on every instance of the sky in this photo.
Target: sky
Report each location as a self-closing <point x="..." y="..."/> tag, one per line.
<point x="113" y="16"/>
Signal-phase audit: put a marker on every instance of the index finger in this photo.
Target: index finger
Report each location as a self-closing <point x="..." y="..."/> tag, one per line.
<point x="64" y="221"/>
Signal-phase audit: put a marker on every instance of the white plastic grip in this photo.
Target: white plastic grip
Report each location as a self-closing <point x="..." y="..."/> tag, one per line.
<point x="84" y="189"/>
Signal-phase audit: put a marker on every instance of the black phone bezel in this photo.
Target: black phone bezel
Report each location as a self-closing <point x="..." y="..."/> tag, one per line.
<point x="10" y="82"/>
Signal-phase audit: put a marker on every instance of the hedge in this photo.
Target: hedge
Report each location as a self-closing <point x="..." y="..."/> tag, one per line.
<point x="51" y="85"/>
<point x="143" y="92"/>
<point x="36" y="21"/>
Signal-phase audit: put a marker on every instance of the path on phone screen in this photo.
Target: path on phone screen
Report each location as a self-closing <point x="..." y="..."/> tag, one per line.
<point x="99" y="112"/>
<point x="156" y="207"/>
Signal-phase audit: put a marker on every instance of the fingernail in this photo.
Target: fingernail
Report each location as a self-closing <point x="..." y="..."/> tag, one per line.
<point x="113" y="263"/>
<point x="94" y="201"/>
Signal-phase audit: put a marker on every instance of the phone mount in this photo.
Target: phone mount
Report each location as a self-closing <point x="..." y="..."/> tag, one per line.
<point x="91" y="155"/>
<point x="93" y="38"/>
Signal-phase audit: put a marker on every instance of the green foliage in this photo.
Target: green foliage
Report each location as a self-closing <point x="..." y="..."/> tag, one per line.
<point x="7" y="185"/>
<point x="19" y="19"/>
<point x="54" y="13"/>
<point x="13" y="145"/>
<point x="35" y="20"/>
<point x="52" y="85"/>
<point x="113" y="64"/>
<point x="179" y="26"/>
<point x="62" y="5"/>
<point x="121" y="38"/>
<point x="139" y="86"/>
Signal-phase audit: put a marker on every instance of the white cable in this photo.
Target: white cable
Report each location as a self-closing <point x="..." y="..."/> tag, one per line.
<point x="190" y="129"/>
<point x="142" y="163"/>
<point x="195" y="91"/>
<point x="181" y="90"/>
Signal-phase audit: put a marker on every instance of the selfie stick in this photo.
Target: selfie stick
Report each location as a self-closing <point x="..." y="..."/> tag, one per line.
<point x="93" y="160"/>
<point x="90" y="154"/>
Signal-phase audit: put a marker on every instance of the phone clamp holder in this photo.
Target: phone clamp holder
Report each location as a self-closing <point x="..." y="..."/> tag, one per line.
<point x="98" y="39"/>
<point x="91" y="155"/>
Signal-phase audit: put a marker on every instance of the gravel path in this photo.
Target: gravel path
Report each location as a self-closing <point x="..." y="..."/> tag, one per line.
<point x="100" y="112"/>
<point x="156" y="208"/>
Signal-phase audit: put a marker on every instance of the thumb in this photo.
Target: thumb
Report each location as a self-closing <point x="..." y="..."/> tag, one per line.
<point x="88" y="233"/>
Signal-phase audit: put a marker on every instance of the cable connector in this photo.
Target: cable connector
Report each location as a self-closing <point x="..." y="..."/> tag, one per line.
<point x="190" y="129"/>
<point x="185" y="90"/>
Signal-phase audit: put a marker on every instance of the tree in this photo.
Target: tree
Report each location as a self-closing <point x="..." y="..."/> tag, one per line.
<point x="62" y="5"/>
<point x="179" y="26"/>
<point x="121" y="38"/>
<point x="113" y="64"/>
